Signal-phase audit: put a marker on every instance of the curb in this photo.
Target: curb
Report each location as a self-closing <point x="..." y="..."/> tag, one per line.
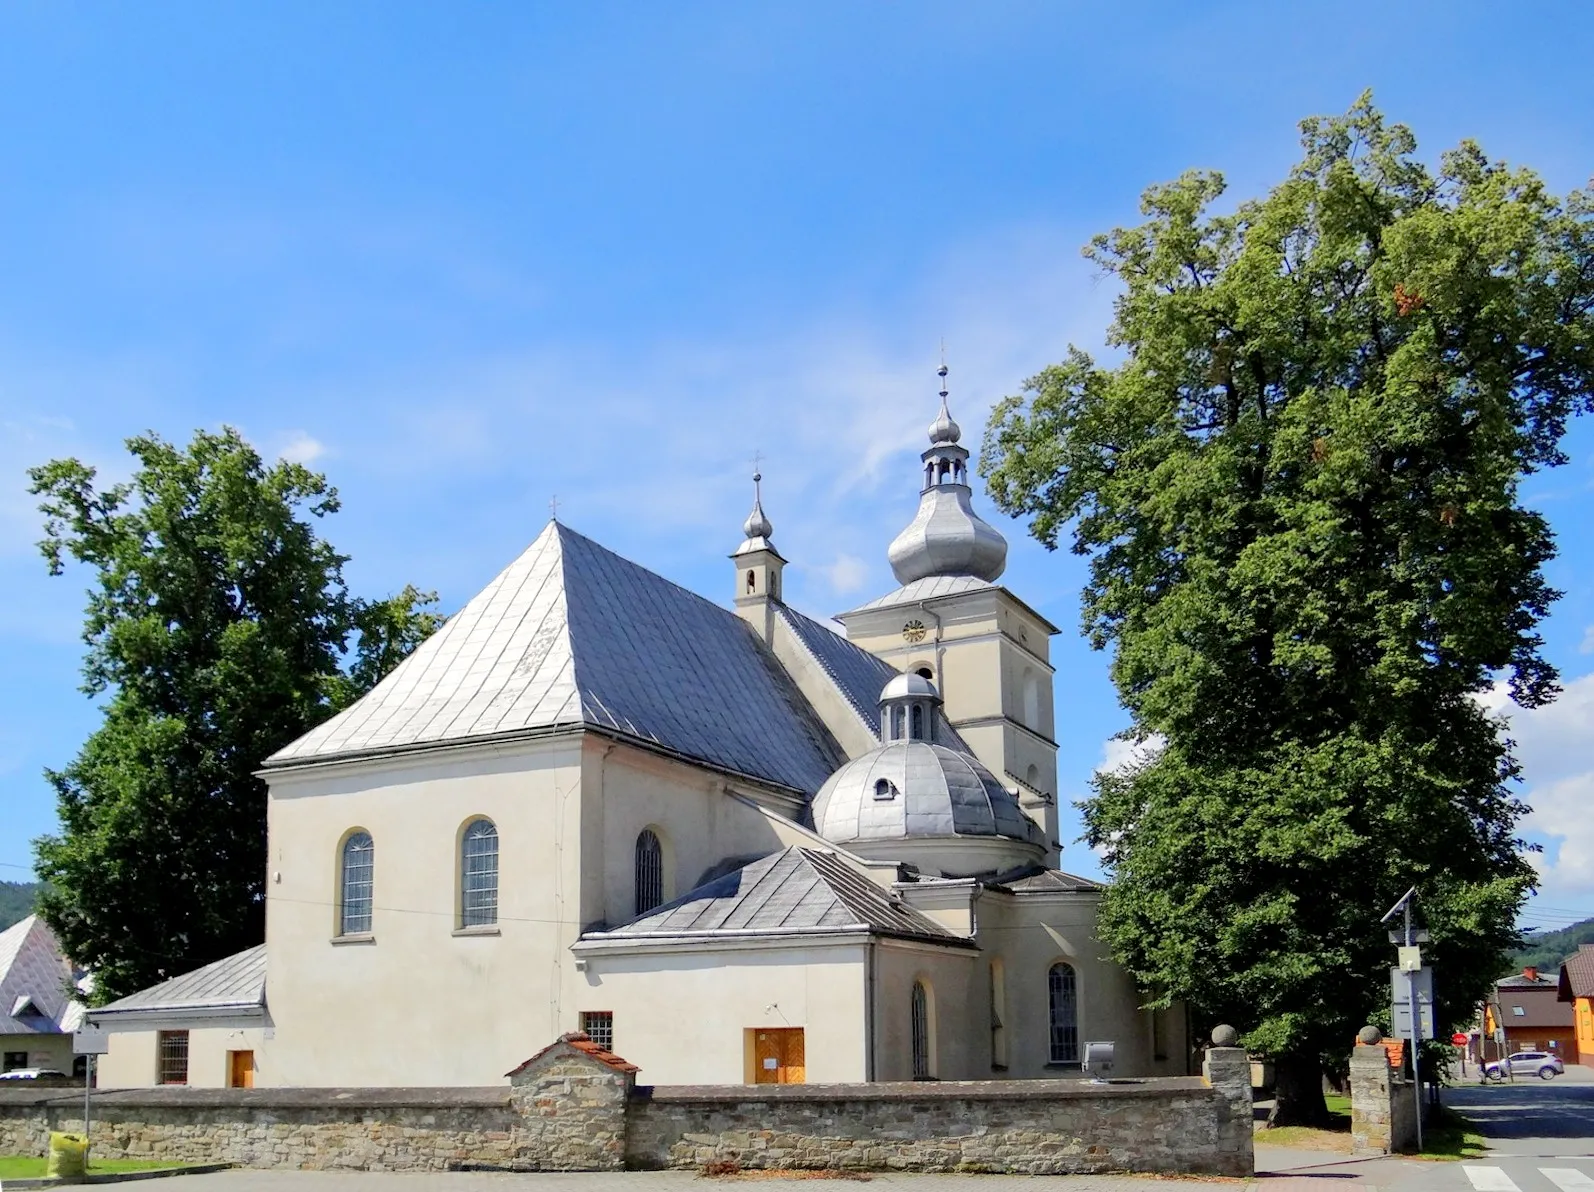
<point x="116" y="1177"/>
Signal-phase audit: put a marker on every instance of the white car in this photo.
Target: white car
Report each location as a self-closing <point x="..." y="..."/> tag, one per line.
<point x="1526" y="1063"/>
<point x="31" y="1074"/>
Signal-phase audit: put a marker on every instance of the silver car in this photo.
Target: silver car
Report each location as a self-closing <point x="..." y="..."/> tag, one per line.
<point x="1542" y="1064"/>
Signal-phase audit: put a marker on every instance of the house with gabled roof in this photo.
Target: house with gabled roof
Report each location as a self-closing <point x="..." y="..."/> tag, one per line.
<point x="1576" y="986"/>
<point x="729" y="843"/>
<point x="39" y="1009"/>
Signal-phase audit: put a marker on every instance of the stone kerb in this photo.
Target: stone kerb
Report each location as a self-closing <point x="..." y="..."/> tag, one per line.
<point x="572" y="1098"/>
<point x="1227" y="1068"/>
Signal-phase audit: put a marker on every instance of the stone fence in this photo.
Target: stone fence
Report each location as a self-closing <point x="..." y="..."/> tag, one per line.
<point x="575" y="1107"/>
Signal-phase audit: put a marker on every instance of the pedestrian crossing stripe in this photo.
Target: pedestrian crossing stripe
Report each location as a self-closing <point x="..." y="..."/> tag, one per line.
<point x="1493" y="1179"/>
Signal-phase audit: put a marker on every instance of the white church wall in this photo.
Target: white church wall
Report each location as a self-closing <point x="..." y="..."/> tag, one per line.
<point x="682" y="1013"/>
<point x="854" y="735"/>
<point x="133" y="1060"/>
<point x="958" y="1047"/>
<point x="419" y="1000"/>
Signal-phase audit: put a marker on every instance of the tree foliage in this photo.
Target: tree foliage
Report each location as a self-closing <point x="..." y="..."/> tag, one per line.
<point x="218" y="628"/>
<point x="1299" y="494"/>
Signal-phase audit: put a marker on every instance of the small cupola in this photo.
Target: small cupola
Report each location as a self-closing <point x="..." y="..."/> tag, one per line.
<point x="907" y="710"/>
<point x="758" y="567"/>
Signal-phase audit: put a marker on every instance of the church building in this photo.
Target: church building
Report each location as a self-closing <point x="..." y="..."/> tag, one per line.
<point x="730" y="844"/>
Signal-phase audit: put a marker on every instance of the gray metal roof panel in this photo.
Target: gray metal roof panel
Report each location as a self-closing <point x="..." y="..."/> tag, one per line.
<point x="571" y="633"/>
<point x="1047" y="880"/>
<point x="796" y="889"/>
<point x="33" y="968"/>
<point x="924" y="589"/>
<point x="237" y="980"/>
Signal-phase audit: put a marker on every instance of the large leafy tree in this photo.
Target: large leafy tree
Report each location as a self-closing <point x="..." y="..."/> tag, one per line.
<point x="219" y="628"/>
<point x="1299" y="493"/>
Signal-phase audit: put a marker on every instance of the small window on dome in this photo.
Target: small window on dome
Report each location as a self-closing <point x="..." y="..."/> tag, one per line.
<point x="884" y="791"/>
<point x="926" y="674"/>
<point x="917" y="731"/>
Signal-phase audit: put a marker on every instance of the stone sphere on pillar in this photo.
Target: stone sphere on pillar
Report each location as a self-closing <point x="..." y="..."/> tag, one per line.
<point x="1225" y="1036"/>
<point x="1368" y="1036"/>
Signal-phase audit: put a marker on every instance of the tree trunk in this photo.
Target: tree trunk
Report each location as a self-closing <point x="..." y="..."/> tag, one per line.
<point x="1299" y="1097"/>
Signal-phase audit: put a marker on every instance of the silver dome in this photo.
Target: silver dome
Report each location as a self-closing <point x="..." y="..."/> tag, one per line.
<point x="947" y="538"/>
<point x="944" y="429"/>
<point x="909" y="686"/>
<point x="913" y="790"/>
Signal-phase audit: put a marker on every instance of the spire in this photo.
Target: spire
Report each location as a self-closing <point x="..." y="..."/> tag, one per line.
<point x="947" y="537"/>
<point x="757" y="525"/>
<point x="944" y="429"/>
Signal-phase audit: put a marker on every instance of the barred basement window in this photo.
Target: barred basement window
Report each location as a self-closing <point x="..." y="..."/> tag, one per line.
<point x="649" y="872"/>
<point x="598" y="1025"/>
<point x="171" y="1048"/>
<point x="478" y="875"/>
<point x="921" y="1032"/>
<point x="354" y="902"/>
<point x="1062" y="993"/>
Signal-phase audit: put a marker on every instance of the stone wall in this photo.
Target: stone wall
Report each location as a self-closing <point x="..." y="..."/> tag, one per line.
<point x="574" y="1107"/>
<point x="1383" y="1109"/>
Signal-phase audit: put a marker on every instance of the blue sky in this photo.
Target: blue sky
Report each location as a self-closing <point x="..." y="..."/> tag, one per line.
<point x="465" y="257"/>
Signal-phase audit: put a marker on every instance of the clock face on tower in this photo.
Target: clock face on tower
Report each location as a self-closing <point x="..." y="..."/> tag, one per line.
<point x="913" y="631"/>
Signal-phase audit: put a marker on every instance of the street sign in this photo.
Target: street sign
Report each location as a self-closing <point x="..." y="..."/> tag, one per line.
<point x="1400" y="1004"/>
<point x="1459" y="1039"/>
<point x="91" y="1040"/>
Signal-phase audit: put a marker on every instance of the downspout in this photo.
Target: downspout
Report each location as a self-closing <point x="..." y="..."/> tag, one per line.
<point x="868" y="1010"/>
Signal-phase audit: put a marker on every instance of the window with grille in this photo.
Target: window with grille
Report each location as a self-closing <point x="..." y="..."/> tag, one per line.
<point x="359" y="857"/>
<point x="921" y="1032"/>
<point x="478" y="869"/>
<point x="598" y="1025"/>
<point x="649" y="872"/>
<point x="171" y="1048"/>
<point x="1062" y="992"/>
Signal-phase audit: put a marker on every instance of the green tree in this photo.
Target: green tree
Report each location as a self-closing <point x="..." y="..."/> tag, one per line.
<point x="219" y="628"/>
<point x="1298" y="491"/>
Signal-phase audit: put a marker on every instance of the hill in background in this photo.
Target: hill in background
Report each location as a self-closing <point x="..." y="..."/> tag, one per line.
<point x="1546" y="950"/>
<point x="16" y="902"/>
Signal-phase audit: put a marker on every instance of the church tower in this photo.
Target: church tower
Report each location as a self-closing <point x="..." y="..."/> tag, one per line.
<point x="985" y="649"/>
<point x="758" y="568"/>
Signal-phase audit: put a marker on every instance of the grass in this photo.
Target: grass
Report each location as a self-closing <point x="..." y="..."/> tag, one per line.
<point x="27" y="1167"/>
<point x="1448" y="1137"/>
<point x="1334" y="1137"/>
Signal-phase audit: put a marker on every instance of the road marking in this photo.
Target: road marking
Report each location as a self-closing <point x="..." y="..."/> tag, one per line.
<point x="1490" y="1179"/>
<point x="1568" y="1179"/>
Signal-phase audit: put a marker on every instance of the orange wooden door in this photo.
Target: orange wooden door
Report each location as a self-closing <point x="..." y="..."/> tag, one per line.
<point x="779" y="1056"/>
<point x="241" y="1069"/>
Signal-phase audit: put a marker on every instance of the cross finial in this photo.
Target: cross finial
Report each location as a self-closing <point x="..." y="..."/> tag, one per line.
<point x="553" y="507"/>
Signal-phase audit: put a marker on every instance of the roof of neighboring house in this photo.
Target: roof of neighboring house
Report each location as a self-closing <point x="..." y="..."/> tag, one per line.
<point x="35" y="981"/>
<point x="235" y="985"/>
<point x="572" y="634"/>
<point x="797" y="891"/>
<point x="1536" y="1000"/>
<point x="1577" y="974"/>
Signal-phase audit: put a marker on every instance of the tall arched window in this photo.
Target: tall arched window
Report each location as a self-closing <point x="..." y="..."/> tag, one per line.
<point x="354" y="894"/>
<point x="478" y="875"/>
<point x="921" y="1032"/>
<point x="1062" y="993"/>
<point x="649" y="872"/>
<point x="917" y="731"/>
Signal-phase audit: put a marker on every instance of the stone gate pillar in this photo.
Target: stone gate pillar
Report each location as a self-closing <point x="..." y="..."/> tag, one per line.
<point x="1227" y="1068"/>
<point x="1383" y="1119"/>
<point x="572" y="1098"/>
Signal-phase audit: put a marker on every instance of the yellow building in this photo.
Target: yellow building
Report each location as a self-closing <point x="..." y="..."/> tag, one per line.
<point x="1577" y="987"/>
<point x="729" y="843"/>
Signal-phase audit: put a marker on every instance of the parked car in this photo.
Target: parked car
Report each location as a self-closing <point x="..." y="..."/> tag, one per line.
<point x="1525" y="1063"/>
<point x="32" y="1074"/>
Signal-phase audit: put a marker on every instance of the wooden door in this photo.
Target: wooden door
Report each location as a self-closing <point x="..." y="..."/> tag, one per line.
<point x="779" y="1056"/>
<point x="241" y="1069"/>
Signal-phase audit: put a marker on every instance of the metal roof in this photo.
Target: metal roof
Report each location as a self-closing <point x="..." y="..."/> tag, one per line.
<point x="1049" y="880"/>
<point x="797" y="890"/>
<point x="33" y="972"/>
<point x="571" y="633"/>
<point x="1577" y="973"/>
<point x="236" y="982"/>
<point x="927" y="588"/>
<point x="858" y="674"/>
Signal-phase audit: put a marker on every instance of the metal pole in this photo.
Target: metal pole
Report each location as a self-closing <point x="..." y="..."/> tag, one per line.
<point x="88" y="1078"/>
<point x="1416" y="1031"/>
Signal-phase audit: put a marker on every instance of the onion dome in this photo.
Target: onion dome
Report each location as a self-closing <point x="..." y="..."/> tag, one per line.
<point x="757" y="525"/>
<point x="947" y="537"/>
<point x="916" y="800"/>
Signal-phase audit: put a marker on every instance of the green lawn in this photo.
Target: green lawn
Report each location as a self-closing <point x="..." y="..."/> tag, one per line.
<point x="1449" y="1135"/>
<point x="26" y="1167"/>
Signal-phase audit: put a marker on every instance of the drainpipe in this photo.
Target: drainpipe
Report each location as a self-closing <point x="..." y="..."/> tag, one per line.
<point x="868" y="1010"/>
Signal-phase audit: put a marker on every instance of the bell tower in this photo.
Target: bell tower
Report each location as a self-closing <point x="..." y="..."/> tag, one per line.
<point x="758" y="568"/>
<point x="950" y="622"/>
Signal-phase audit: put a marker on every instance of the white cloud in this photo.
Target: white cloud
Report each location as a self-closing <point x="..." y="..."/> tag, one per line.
<point x="847" y="574"/>
<point x="302" y="448"/>
<point x="1552" y="743"/>
<point x="1119" y="753"/>
<point x="1587" y="646"/>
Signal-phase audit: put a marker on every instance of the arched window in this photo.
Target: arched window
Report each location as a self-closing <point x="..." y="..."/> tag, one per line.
<point x="1032" y="700"/>
<point x="899" y="724"/>
<point x="752" y="581"/>
<point x="998" y="1014"/>
<point x="1062" y="993"/>
<point x="917" y="732"/>
<point x="354" y="894"/>
<point x="883" y="789"/>
<point x="925" y="673"/>
<point x="478" y="875"/>
<point x="921" y="1033"/>
<point x="649" y="872"/>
